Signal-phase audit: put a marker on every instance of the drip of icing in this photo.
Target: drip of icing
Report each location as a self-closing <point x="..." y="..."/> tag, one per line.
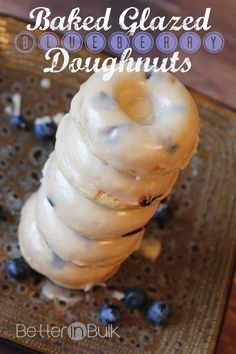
<point x="55" y="292"/>
<point x="150" y="249"/>
<point x="118" y="295"/>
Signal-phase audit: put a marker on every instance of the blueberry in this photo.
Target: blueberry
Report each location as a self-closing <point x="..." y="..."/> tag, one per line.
<point x="109" y="314"/>
<point x="149" y="74"/>
<point x="166" y="201"/>
<point x="17" y="268"/>
<point x="45" y="130"/>
<point x="164" y="213"/>
<point x="18" y="121"/>
<point x="50" y="201"/>
<point x="158" y="312"/>
<point x="135" y="297"/>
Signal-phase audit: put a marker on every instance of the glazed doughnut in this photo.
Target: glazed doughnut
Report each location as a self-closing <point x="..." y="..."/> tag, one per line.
<point x="73" y="247"/>
<point x="44" y="260"/>
<point x="136" y="123"/>
<point x="102" y="183"/>
<point x="86" y="217"/>
<point x="118" y="153"/>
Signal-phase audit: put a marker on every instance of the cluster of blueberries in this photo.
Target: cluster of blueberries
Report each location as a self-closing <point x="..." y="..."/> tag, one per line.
<point x="157" y="312"/>
<point x="42" y="129"/>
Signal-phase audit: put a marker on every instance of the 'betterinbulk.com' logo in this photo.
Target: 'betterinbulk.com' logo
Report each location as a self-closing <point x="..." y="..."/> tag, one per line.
<point x="78" y="331"/>
<point x="75" y="331"/>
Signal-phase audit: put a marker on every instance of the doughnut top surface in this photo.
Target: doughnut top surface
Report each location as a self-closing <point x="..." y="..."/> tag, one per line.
<point x="137" y="122"/>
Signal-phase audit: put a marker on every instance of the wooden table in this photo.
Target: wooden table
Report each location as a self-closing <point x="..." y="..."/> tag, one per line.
<point x="212" y="74"/>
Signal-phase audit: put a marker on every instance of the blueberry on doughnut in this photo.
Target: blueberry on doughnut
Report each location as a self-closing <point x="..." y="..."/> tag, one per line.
<point x="157" y="110"/>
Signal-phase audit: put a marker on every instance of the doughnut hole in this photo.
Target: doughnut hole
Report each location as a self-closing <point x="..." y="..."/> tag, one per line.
<point x="134" y="101"/>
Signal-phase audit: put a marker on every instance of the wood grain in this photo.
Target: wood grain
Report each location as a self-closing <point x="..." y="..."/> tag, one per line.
<point x="227" y="343"/>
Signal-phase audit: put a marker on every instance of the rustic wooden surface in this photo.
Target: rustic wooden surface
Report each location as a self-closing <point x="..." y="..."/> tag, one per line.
<point x="212" y="74"/>
<point x="227" y="343"/>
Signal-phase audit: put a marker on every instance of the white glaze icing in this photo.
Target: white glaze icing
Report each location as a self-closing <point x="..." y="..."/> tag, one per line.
<point x="119" y="148"/>
<point x="88" y="173"/>
<point x="87" y="217"/>
<point x="44" y="260"/>
<point x="71" y="246"/>
<point x="156" y="121"/>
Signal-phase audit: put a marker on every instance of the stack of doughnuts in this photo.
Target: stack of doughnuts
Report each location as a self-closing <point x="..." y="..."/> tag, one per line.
<point x="118" y="153"/>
